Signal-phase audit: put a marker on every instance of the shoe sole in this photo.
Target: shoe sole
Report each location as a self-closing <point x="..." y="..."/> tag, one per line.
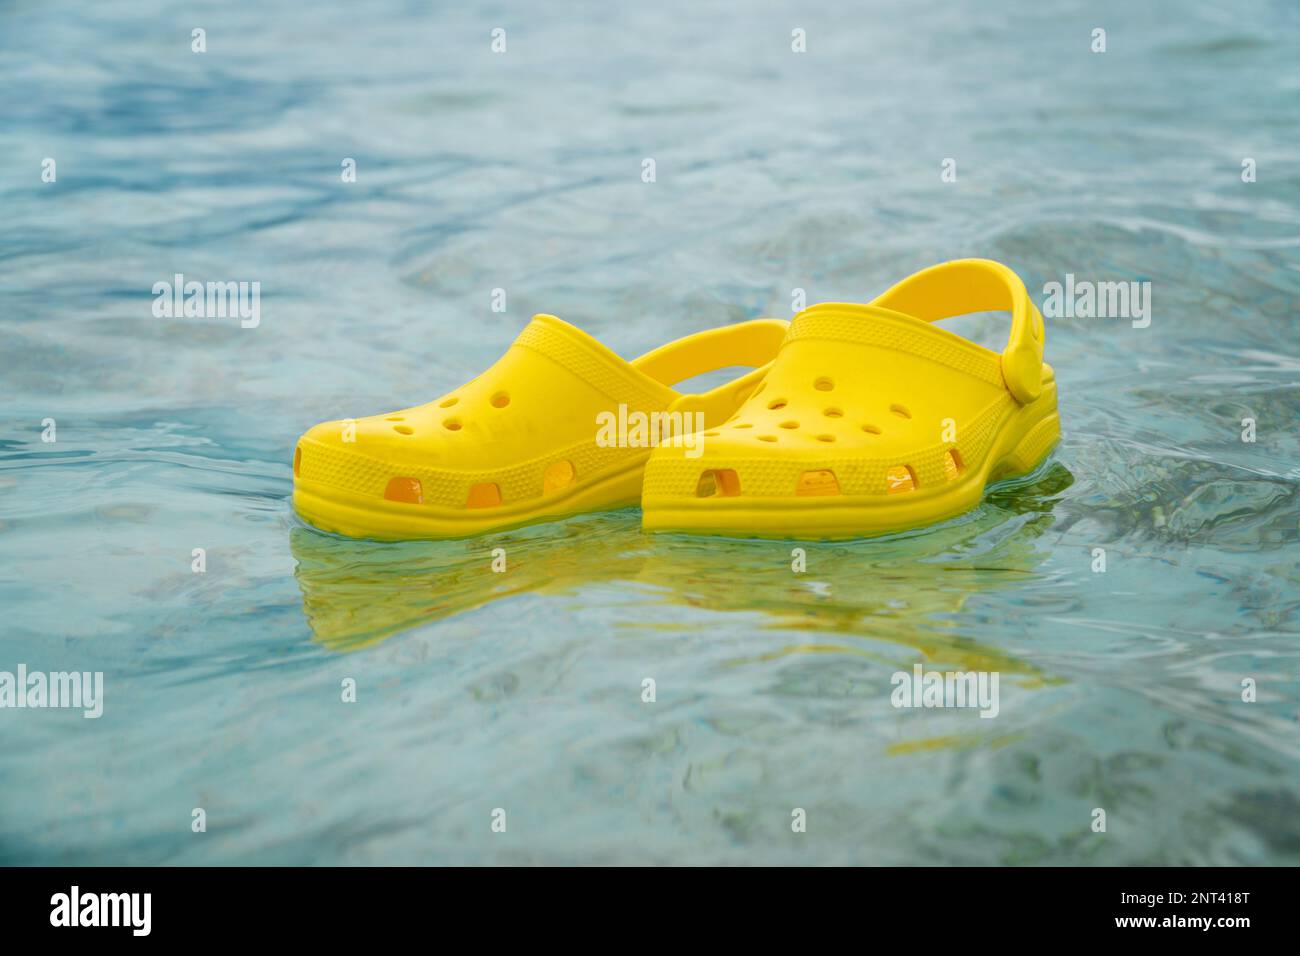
<point x="357" y="516"/>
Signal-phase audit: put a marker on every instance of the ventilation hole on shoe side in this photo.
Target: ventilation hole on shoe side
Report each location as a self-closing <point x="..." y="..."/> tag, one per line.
<point x="394" y="418"/>
<point x="407" y="490"/>
<point x="826" y="438"/>
<point x="711" y="434"/>
<point x="558" y="474"/>
<point x="951" y="464"/>
<point x="824" y="384"/>
<point x="871" y="429"/>
<point x="297" y="460"/>
<point x="743" y="425"/>
<point x="767" y="438"/>
<point x="718" y="483"/>
<point x="777" y="403"/>
<point x="500" y="399"/>
<point x="448" y="402"/>
<point x="900" y="410"/>
<point x="404" y="429"/>
<point x="484" y="495"/>
<point x="833" y="412"/>
<point x="789" y="425"/>
<point x="900" y="478"/>
<point x="816" y="483"/>
<point x="452" y="424"/>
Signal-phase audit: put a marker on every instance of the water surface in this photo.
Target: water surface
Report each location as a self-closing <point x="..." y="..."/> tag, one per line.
<point x="523" y="691"/>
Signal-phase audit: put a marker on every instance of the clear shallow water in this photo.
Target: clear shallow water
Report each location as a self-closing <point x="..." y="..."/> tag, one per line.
<point x="523" y="691"/>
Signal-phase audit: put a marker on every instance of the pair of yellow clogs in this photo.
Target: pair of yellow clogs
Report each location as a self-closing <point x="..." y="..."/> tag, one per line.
<point x="856" y="420"/>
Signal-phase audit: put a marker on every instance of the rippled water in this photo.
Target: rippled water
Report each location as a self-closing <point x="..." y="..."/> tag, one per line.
<point x="1119" y="690"/>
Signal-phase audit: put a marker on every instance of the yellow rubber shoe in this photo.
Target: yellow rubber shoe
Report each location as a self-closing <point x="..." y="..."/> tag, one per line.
<point x="871" y="419"/>
<point x="559" y="425"/>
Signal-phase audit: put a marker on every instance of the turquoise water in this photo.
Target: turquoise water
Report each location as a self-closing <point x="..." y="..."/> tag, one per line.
<point x="522" y="691"/>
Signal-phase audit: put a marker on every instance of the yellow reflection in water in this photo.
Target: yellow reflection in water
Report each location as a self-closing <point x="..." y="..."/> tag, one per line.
<point x="902" y="590"/>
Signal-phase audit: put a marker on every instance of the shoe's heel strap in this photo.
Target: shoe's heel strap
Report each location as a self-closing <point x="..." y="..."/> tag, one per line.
<point x="979" y="285"/>
<point x="753" y="344"/>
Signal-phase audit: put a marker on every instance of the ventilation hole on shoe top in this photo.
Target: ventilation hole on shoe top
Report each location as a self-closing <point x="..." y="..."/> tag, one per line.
<point x="500" y="399"/>
<point x="833" y="412"/>
<point x="777" y="403"/>
<point x="824" y="384"/>
<point x="297" y="460"/>
<point x="789" y="424"/>
<point x="900" y="478"/>
<point x="718" y="483"/>
<point x="767" y="438"/>
<point x="394" y="418"/>
<point x="404" y="429"/>
<point x="448" y="402"/>
<point x="407" y="490"/>
<point x="951" y="464"/>
<point x="484" y="495"/>
<point x="743" y="425"/>
<point x="826" y="438"/>
<point x="816" y="483"/>
<point x="558" y="474"/>
<point x="452" y="424"/>
<point x="900" y="410"/>
<point x="871" y="429"/>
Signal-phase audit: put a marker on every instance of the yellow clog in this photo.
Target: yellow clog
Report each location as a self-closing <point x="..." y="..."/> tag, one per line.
<point x="558" y="425"/>
<point x="871" y="420"/>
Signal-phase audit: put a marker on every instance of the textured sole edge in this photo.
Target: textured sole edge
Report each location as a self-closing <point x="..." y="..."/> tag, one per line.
<point x="1023" y="445"/>
<point x="357" y="516"/>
